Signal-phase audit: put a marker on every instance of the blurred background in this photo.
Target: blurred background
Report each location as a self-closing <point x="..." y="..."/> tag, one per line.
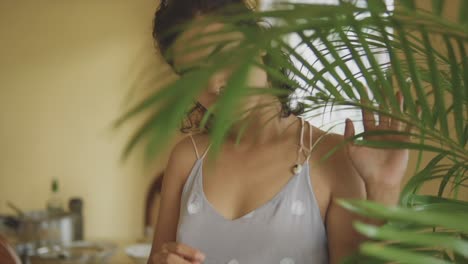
<point x="68" y="69"/>
<point x="66" y="73"/>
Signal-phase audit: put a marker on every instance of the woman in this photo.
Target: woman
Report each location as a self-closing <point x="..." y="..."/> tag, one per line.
<point x="268" y="199"/>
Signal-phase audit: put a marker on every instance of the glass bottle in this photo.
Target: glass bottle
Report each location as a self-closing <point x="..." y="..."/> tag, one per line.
<point x="54" y="203"/>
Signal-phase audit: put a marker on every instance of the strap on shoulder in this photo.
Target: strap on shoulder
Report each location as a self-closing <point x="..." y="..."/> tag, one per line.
<point x="194" y="145"/>
<point x="196" y="149"/>
<point x="307" y="151"/>
<point x="206" y="151"/>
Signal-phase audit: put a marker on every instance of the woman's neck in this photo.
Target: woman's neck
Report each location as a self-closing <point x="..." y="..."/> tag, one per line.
<point x="260" y="126"/>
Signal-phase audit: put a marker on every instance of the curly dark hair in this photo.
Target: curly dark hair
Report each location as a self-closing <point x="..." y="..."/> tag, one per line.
<point x="173" y="13"/>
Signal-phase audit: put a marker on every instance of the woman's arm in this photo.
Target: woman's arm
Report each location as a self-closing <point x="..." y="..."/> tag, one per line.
<point x="180" y="162"/>
<point x="343" y="239"/>
<point x="345" y="183"/>
<point x="366" y="173"/>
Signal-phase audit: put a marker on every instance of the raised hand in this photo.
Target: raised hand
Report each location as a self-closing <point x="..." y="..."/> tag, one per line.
<point x="378" y="166"/>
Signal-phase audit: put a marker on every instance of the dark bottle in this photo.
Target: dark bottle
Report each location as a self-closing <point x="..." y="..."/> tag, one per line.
<point x="75" y="206"/>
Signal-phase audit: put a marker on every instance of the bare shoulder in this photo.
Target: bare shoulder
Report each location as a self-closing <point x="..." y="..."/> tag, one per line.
<point x="183" y="154"/>
<point x="327" y="144"/>
<point x="329" y="154"/>
<point x="202" y="141"/>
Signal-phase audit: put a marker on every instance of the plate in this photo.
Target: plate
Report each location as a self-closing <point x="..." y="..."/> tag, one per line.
<point x="139" y="252"/>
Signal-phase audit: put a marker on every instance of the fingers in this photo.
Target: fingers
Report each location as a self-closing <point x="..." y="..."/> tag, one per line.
<point x="368" y="118"/>
<point x="349" y="129"/>
<point x="384" y="119"/>
<point x="184" y="251"/>
<point x="409" y="127"/>
<point x="391" y="121"/>
<point x="397" y="125"/>
<point x="176" y="259"/>
<point x="168" y="258"/>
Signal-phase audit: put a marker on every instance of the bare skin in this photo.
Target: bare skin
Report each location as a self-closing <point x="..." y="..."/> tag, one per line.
<point x="245" y="176"/>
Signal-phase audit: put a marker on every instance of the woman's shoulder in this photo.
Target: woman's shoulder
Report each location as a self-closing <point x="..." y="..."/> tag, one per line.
<point x="323" y="140"/>
<point x="184" y="150"/>
<point x="183" y="156"/>
<point x="328" y="147"/>
<point x="330" y="150"/>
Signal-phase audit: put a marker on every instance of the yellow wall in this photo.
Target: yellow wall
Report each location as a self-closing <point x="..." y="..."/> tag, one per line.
<point x="65" y="69"/>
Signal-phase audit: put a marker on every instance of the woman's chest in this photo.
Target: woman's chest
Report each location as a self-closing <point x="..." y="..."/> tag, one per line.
<point x="236" y="188"/>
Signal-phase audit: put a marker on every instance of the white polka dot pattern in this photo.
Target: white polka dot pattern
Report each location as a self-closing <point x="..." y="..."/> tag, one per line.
<point x="249" y="215"/>
<point x="297" y="207"/>
<point x="233" y="261"/>
<point x="194" y="204"/>
<point x="287" y="261"/>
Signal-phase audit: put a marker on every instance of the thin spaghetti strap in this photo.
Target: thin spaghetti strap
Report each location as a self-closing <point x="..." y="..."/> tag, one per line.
<point x="206" y="151"/>
<point x="301" y="145"/>
<point x="298" y="166"/>
<point x="194" y="145"/>
<point x="310" y="141"/>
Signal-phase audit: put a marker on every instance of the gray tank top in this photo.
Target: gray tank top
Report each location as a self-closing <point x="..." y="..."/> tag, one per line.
<point x="287" y="229"/>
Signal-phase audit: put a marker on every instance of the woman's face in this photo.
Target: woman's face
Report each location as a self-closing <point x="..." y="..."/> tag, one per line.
<point x="184" y="59"/>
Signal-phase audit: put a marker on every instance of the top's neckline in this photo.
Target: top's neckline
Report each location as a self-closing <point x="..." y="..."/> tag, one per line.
<point x="305" y="167"/>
